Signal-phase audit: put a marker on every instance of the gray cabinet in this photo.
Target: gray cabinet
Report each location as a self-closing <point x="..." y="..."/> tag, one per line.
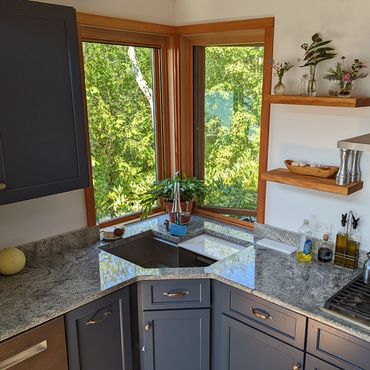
<point x="174" y="324"/>
<point x="245" y="348"/>
<point x="336" y="347"/>
<point x="98" y="334"/>
<point x="42" y="128"/>
<point x="313" y="363"/>
<point x="173" y="294"/>
<point x="175" y="340"/>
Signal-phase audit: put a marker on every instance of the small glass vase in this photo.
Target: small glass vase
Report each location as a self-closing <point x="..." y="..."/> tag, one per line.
<point x="345" y="89"/>
<point x="312" y="86"/>
<point x="279" y="88"/>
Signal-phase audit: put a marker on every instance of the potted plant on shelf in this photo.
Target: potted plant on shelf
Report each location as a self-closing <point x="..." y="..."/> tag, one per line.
<point x="280" y="68"/>
<point x="315" y="53"/>
<point x="345" y="76"/>
<point x="191" y="190"/>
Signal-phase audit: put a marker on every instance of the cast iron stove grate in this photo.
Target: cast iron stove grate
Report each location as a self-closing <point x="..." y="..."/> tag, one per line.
<point x="352" y="301"/>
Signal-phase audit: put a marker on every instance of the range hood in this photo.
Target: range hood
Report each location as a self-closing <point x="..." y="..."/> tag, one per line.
<point x="360" y="143"/>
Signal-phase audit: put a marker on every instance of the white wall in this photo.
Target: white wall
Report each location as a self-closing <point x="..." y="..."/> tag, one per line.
<point x="156" y="11"/>
<point x="298" y="132"/>
<point x="39" y="218"/>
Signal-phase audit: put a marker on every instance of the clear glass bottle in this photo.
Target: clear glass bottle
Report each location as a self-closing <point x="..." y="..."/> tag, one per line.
<point x="303" y="85"/>
<point x="325" y="253"/>
<point x="305" y="243"/>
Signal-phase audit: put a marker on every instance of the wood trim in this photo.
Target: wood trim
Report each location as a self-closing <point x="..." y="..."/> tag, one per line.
<point x="124" y="24"/>
<point x="231" y="211"/>
<point x="221" y="27"/>
<point x="244" y="37"/>
<point x="206" y="34"/>
<point x="222" y="218"/>
<point x="132" y="217"/>
<point x="118" y="31"/>
<point x="323" y="101"/>
<point x="265" y="123"/>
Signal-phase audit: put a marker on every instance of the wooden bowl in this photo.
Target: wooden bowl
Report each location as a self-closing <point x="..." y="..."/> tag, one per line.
<point x="324" y="172"/>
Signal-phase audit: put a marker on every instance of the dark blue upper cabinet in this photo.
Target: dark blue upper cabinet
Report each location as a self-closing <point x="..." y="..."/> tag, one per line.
<point x="42" y="127"/>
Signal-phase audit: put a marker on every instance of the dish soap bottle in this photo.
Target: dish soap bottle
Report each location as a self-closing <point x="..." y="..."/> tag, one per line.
<point x="325" y="250"/>
<point x="305" y="243"/>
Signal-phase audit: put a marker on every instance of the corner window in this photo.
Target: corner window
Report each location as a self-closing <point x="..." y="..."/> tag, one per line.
<point x="120" y="102"/>
<point x="227" y="122"/>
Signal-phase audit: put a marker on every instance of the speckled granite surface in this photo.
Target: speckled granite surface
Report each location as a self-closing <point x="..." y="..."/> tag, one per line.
<point x="57" y="283"/>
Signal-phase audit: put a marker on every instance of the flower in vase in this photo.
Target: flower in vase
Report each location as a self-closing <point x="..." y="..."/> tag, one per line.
<point x="345" y="75"/>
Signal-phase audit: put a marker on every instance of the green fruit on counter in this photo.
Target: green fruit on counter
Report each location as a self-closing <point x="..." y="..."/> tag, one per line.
<point x="12" y="260"/>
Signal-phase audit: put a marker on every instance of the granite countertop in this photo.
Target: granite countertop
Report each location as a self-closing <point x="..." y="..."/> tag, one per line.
<point x="53" y="284"/>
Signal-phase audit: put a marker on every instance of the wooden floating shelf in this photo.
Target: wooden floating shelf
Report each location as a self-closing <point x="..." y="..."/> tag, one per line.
<point x="325" y="101"/>
<point x="283" y="176"/>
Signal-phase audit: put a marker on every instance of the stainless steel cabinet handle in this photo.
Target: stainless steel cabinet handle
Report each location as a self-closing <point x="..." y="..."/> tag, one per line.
<point x="24" y="355"/>
<point x="176" y="293"/>
<point x="261" y="314"/>
<point x="105" y="316"/>
<point x="2" y="186"/>
<point x="297" y="367"/>
<point x="148" y="326"/>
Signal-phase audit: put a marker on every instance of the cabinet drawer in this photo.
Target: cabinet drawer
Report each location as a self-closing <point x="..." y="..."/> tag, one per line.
<point x="243" y="347"/>
<point x="279" y="322"/>
<point x="42" y="348"/>
<point x="168" y="294"/>
<point x="313" y="363"/>
<point x="337" y="347"/>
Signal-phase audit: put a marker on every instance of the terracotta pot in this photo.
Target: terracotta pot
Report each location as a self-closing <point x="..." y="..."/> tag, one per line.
<point x="183" y="219"/>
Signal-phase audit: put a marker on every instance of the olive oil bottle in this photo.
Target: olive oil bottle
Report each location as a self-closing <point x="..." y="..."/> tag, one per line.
<point x="341" y="240"/>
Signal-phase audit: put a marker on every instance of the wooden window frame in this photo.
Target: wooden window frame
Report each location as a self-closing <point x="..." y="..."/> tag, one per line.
<point x="93" y="28"/>
<point x="248" y="32"/>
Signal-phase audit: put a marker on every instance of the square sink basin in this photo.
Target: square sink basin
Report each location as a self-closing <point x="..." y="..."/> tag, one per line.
<point x="150" y="252"/>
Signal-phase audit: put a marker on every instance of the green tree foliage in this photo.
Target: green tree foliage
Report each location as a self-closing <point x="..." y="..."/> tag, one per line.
<point x="234" y="77"/>
<point x="120" y="126"/>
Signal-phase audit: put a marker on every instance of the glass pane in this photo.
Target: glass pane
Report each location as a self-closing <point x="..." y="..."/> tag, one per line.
<point x="233" y="98"/>
<point x="119" y="85"/>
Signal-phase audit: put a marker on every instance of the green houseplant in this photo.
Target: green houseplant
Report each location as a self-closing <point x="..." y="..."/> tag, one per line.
<point x="191" y="190"/>
<point x="315" y="53"/>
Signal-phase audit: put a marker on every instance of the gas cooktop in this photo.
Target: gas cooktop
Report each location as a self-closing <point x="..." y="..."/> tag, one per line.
<point x="352" y="301"/>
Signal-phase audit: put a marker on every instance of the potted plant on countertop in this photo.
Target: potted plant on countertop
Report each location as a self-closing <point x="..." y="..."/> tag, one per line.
<point x="192" y="190"/>
<point x="345" y="76"/>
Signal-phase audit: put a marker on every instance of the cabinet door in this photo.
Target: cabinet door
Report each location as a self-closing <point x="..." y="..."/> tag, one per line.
<point x="41" y="348"/>
<point x="98" y="334"/>
<point x="245" y="348"/>
<point x="313" y="363"/>
<point x="42" y="127"/>
<point x="175" y="340"/>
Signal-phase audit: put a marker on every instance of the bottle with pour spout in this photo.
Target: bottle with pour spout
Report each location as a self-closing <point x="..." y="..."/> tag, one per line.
<point x="304" y="254"/>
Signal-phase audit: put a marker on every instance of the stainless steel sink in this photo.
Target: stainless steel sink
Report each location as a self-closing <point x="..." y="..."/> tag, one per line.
<point x="151" y="252"/>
